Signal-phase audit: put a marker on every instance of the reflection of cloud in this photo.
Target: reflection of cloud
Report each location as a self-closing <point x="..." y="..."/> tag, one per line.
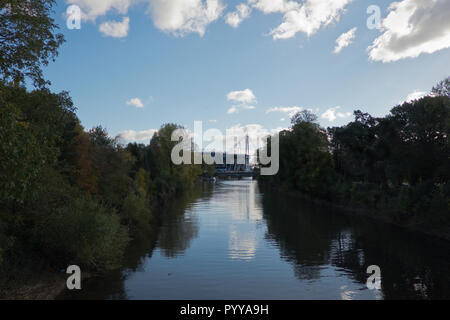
<point x="244" y="207"/>
<point x="242" y="245"/>
<point x="347" y="294"/>
<point x="240" y="202"/>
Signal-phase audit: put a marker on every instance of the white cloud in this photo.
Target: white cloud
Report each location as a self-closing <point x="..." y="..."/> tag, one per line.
<point x="416" y="95"/>
<point x="291" y="111"/>
<point x="177" y="16"/>
<point x="116" y="29"/>
<point x="185" y="16"/>
<point x="242" y="12"/>
<point x="411" y="28"/>
<point x="131" y="135"/>
<point x="307" y="17"/>
<point x="237" y="108"/>
<point x="345" y="40"/>
<point x="244" y="96"/>
<point x="212" y="121"/>
<point x="272" y="6"/>
<point x="332" y="114"/>
<point x="232" y="110"/>
<point x="92" y="9"/>
<point x="135" y="102"/>
<point x="193" y="16"/>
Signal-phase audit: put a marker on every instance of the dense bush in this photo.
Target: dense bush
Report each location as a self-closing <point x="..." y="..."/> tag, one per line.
<point x="396" y="166"/>
<point x="67" y="196"/>
<point x="71" y="196"/>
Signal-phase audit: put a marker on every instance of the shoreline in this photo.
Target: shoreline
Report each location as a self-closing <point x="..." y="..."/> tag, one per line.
<point x="46" y="288"/>
<point x="362" y="212"/>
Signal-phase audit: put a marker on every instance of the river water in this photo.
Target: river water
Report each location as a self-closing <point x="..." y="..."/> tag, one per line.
<point x="230" y="241"/>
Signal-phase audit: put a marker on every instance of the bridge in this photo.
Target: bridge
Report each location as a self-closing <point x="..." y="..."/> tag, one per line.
<point x="234" y="166"/>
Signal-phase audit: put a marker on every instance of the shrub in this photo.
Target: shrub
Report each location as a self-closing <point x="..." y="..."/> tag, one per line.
<point x="135" y="210"/>
<point x="84" y="233"/>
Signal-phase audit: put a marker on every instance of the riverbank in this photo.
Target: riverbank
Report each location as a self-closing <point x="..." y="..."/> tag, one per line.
<point x="47" y="288"/>
<point x="378" y="215"/>
<point x="233" y="242"/>
<point x="34" y="279"/>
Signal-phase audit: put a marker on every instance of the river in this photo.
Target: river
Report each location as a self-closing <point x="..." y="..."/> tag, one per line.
<point x="230" y="241"/>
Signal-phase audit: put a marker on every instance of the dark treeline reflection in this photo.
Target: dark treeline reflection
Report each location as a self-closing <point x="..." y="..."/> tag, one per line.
<point x="172" y="234"/>
<point x="312" y="237"/>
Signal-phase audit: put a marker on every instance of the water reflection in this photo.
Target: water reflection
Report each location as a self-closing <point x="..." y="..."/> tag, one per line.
<point x="312" y="237"/>
<point x="242" y="245"/>
<point x="229" y="241"/>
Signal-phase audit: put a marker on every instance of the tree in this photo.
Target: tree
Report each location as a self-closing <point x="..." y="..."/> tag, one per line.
<point x="305" y="161"/>
<point x="353" y="147"/>
<point x="422" y="127"/>
<point x="28" y="40"/>
<point x="442" y="88"/>
<point x="304" y="116"/>
<point x="32" y="125"/>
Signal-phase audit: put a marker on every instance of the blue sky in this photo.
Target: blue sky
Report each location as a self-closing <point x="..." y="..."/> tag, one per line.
<point x="183" y="64"/>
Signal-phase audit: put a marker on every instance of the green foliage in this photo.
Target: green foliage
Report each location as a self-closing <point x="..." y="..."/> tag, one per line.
<point x="67" y="196"/>
<point x="305" y="163"/>
<point x="136" y="210"/>
<point x="21" y="157"/>
<point x="32" y="125"/>
<point x="75" y="197"/>
<point x="442" y="88"/>
<point x="397" y="166"/>
<point x="28" y="39"/>
<point x="82" y="232"/>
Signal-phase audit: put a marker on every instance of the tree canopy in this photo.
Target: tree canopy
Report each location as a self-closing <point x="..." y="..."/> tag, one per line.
<point x="28" y="40"/>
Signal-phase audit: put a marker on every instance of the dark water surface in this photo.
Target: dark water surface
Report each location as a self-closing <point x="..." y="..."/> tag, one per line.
<point x="229" y="241"/>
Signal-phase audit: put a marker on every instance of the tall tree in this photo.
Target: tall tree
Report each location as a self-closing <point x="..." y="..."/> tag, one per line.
<point x="28" y="40"/>
<point x="442" y="88"/>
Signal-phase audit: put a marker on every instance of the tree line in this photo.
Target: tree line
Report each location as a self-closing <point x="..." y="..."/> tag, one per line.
<point x="67" y="195"/>
<point x="397" y="167"/>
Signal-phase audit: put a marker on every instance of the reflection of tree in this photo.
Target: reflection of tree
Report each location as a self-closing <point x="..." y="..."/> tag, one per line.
<point x="413" y="266"/>
<point x="311" y="236"/>
<point x="303" y="236"/>
<point x="176" y="235"/>
<point x="171" y="222"/>
<point x="180" y="225"/>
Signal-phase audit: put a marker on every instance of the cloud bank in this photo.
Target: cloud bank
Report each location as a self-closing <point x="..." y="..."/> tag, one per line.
<point x="412" y="27"/>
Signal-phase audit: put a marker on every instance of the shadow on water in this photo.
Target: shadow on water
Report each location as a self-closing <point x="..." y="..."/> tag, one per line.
<point x="228" y="240"/>
<point x="413" y="266"/>
<point x="172" y="238"/>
